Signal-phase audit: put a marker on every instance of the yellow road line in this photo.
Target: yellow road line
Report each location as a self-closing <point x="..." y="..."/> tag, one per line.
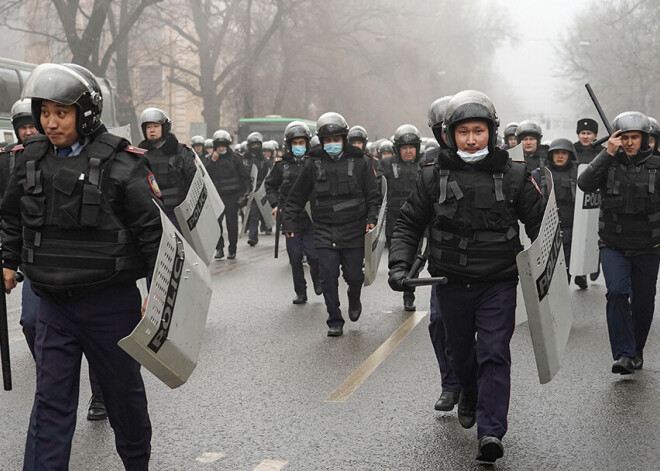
<point x="348" y="387"/>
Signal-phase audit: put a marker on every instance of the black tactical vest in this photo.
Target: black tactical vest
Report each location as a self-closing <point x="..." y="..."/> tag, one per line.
<point x="71" y="237"/>
<point x="400" y="183"/>
<point x="565" y="184"/>
<point x="169" y="176"/>
<point x="290" y="173"/>
<point x="226" y="175"/>
<point x="474" y="231"/>
<point x="630" y="211"/>
<point x="337" y="197"/>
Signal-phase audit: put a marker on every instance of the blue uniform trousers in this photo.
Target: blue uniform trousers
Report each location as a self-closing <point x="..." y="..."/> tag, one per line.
<point x="330" y="260"/>
<point x="65" y="330"/>
<point x="438" y="339"/>
<point x="253" y="221"/>
<point x="231" y="215"/>
<point x="482" y="364"/>
<point x="302" y="243"/>
<point x="630" y="298"/>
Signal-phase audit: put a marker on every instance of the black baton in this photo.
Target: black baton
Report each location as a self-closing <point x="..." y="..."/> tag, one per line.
<point x="601" y="113"/>
<point x="278" y="229"/>
<point x="4" y="337"/>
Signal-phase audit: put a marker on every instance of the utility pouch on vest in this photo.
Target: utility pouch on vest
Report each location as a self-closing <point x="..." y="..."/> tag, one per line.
<point x="68" y="198"/>
<point x="33" y="210"/>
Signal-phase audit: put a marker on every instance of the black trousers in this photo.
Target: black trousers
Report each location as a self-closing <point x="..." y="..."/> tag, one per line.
<point x="330" y="260"/>
<point x="302" y="243"/>
<point x="231" y="215"/>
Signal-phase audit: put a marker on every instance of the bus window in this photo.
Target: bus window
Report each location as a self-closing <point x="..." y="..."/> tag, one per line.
<point x="10" y="90"/>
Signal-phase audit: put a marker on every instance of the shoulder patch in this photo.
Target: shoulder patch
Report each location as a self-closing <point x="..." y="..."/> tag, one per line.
<point x="154" y="185"/>
<point x="135" y="150"/>
<point x="531" y="178"/>
<point x="17" y="147"/>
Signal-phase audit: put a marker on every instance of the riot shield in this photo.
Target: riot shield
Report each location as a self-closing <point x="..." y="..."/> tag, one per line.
<point x="584" y="244"/>
<point x="214" y="197"/>
<point x="122" y="131"/>
<point x="198" y="218"/>
<point x="168" y="338"/>
<point x="374" y="242"/>
<point x="516" y="153"/>
<point x="264" y="206"/>
<point x="521" y="311"/>
<point x="542" y="271"/>
<point x="246" y="212"/>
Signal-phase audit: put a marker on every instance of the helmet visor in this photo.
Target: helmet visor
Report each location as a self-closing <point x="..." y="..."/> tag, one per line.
<point x="56" y="83"/>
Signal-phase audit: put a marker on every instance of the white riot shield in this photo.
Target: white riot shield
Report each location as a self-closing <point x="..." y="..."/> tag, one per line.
<point x="213" y="196"/>
<point x="264" y="206"/>
<point x="542" y="271"/>
<point x="584" y="244"/>
<point x="516" y="153"/>
<point x="253" y="186"/>
<point x="122" y="131"/>
<point x="521" y="311"/>
<point x="198" y="218"/>
<point x="168" y="338"/>
<point x="374" y="242"/>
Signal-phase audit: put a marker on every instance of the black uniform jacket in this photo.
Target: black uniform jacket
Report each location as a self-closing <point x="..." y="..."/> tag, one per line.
<point x="228" y="173"/>
<point x="585" y="154"/>
<point x="422" y="209"/>
<point x="332" y="228"/>
<point x="279" y="182"/>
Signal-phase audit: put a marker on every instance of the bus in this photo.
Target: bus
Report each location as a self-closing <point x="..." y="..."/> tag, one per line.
<point x="271" y="127"/>
<point x="13" y="75"/>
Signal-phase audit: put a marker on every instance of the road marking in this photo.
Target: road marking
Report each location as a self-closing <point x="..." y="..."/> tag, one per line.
<point x="234" y="265"/>
<point x="209" y="457"/>
<point x="348" y="387"/>
<point x="271" y="465"/>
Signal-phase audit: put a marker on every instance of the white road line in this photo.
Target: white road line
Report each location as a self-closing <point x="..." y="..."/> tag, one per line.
<point x="271" y="465"/>
<point x="210" y="457"/>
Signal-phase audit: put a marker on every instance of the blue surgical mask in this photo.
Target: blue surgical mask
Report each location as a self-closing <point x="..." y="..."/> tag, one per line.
<point x="222" y="152"/>
<point x="474" y="157"/>
<point x="298" y="151"/>
<point x="333" y="148"/>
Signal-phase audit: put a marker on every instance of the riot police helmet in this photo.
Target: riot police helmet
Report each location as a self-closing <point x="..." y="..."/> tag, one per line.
<point x="385" y="146"/>
<point x="655" y="132"/>
<point x="358" y="133"/>
<point x="255" y="140"/>
<point x="562" y="144"/>
<point x="407" y="135"/>
<point x="296" y="130"/>
<point x="470" y="105"/>
<point x="431" y="143"/>
<point x="634" y="121"/>
<point x="314" y="141"/>
<point x="197" y="141"/>
<point x="21" y="114"/>
<point x="268" y="146"/>
<point x="67" y="84"/>
<point x="510" y="130"/>
<point x="155" y="115"/>
<point x="331" y="124"/>
<point x="208" y="144"/>
<point x="529" y="127"/>
<point x="221" y="138"/>
<point x="436" y="116"/>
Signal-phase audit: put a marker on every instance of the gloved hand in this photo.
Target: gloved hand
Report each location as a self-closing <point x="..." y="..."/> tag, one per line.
<point x="242" y="201"/>
<point x="396" y="276"/>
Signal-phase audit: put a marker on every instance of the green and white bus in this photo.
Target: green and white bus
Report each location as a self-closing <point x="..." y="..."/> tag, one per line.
<point x="12" y="78"/>
<point x="271" y="127"/>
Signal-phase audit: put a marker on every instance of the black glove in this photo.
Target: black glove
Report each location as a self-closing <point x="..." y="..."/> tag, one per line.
<point x="395" y="278"/>
<point x="242" y="201"/>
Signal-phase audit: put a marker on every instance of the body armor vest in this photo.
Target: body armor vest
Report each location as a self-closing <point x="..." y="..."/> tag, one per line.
<point x="474" y="231"/>
<point x="71" y="236"/>
<point x="225" y="174"/>
<point x="630" y="212"/>
<point x="337" y="197"/>
<point x="565" y="184"/>
<point x="401" y="183"/>
<point x="168" y="175"/>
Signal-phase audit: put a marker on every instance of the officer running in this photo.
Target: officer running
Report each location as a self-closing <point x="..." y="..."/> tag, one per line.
<point x="79" y="217"/>
<point x="470" y="199"/>
<point x="340" y="183"/>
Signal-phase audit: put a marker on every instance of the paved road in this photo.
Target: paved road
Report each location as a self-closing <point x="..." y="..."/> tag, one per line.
<point x="258" y="399"/>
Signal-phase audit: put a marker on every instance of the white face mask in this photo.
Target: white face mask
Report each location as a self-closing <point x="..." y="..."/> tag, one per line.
<point x="474" y="157"/>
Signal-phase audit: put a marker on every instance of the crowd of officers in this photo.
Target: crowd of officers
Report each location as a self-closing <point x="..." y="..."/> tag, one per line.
<point x="78" y="216"/>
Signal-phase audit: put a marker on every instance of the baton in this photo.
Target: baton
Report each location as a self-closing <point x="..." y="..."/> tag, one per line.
<point x="598" y="142"/>
<point x="4" y="337"/>
<point x="413" y="282"/>
<point x="601" y="113"/>
<point x="278" y="229"/>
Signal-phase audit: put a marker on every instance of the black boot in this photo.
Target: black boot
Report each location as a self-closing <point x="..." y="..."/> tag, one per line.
<point x="97" y="409"/>
<point x="409" y="301"/>
<point x="316" y="278"/>
<point x="354" y="304"/>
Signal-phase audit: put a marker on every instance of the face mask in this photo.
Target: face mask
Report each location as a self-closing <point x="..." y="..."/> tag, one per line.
<point x="222" y="152"/>
<point x="333" y="148"/>
<point x="473" y="158"/>
<point x="298" y="151"/>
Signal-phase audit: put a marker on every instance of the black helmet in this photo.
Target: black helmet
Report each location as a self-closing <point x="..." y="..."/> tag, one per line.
<point x="510" y="130"/>
<point x="221" y="137"/>
<point x="357" y="133"/>
<point x="634" y="121"/>
<point x="562" y="144"/>
<point x="21" y="114"/>
<point x="655" y="131"/>
<point x="407" y="135"/>
<point x="68" y="84"/>
<point x="529" y="127"/>
<point x="385" y="146"/>
<point x="255" y="138"/>
<point x="155" y="115"/>
<point x="470" y="104"/>
<point x="197" y="140"/>
<point x="331" y="124"/>
<point x="296" y="130"/>
<point x="436" y="115"/>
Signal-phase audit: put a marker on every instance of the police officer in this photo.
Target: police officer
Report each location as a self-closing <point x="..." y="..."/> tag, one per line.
<point x="562" y="163"/>
<point x="79" y="217"/>
<point x="208" y="148"/>
<point x="339" y="181"/>
<point x="197" y="144"/>
<point x="587" y="131"/>
<point x="471" y="197"/>
<point x="529" y="135"/>
<point x="451" y="389"/>
<point x="385" y="151"/>
<point x="510" y="140"/>
<point x="654" y="135"/>
<point x="626" y="173"/>
<point x="21" y="121"/>
<point x="269" y="150"/>
<point x="231" y="179"/>
<point x="400" y="172"/>
<point x="172" y="163"/>
<point x="254" y="156"/>
<point x="358" y="137"/>
<point x="278" y="184"/>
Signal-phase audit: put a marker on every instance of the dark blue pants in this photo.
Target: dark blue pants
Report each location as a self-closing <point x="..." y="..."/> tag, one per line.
<point x="65" y="330"/>
<point x="253" y="221"/>
<point x="302" y="243"/>
<point x="231" y="215"/>
<point x="29" y="309"/>
<point x="566" y="239"/>
<point x="630" y="298"/>
<point x="484" y="365"/>
<point x="330" y="260"/>
<point x="438" y="339"/>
